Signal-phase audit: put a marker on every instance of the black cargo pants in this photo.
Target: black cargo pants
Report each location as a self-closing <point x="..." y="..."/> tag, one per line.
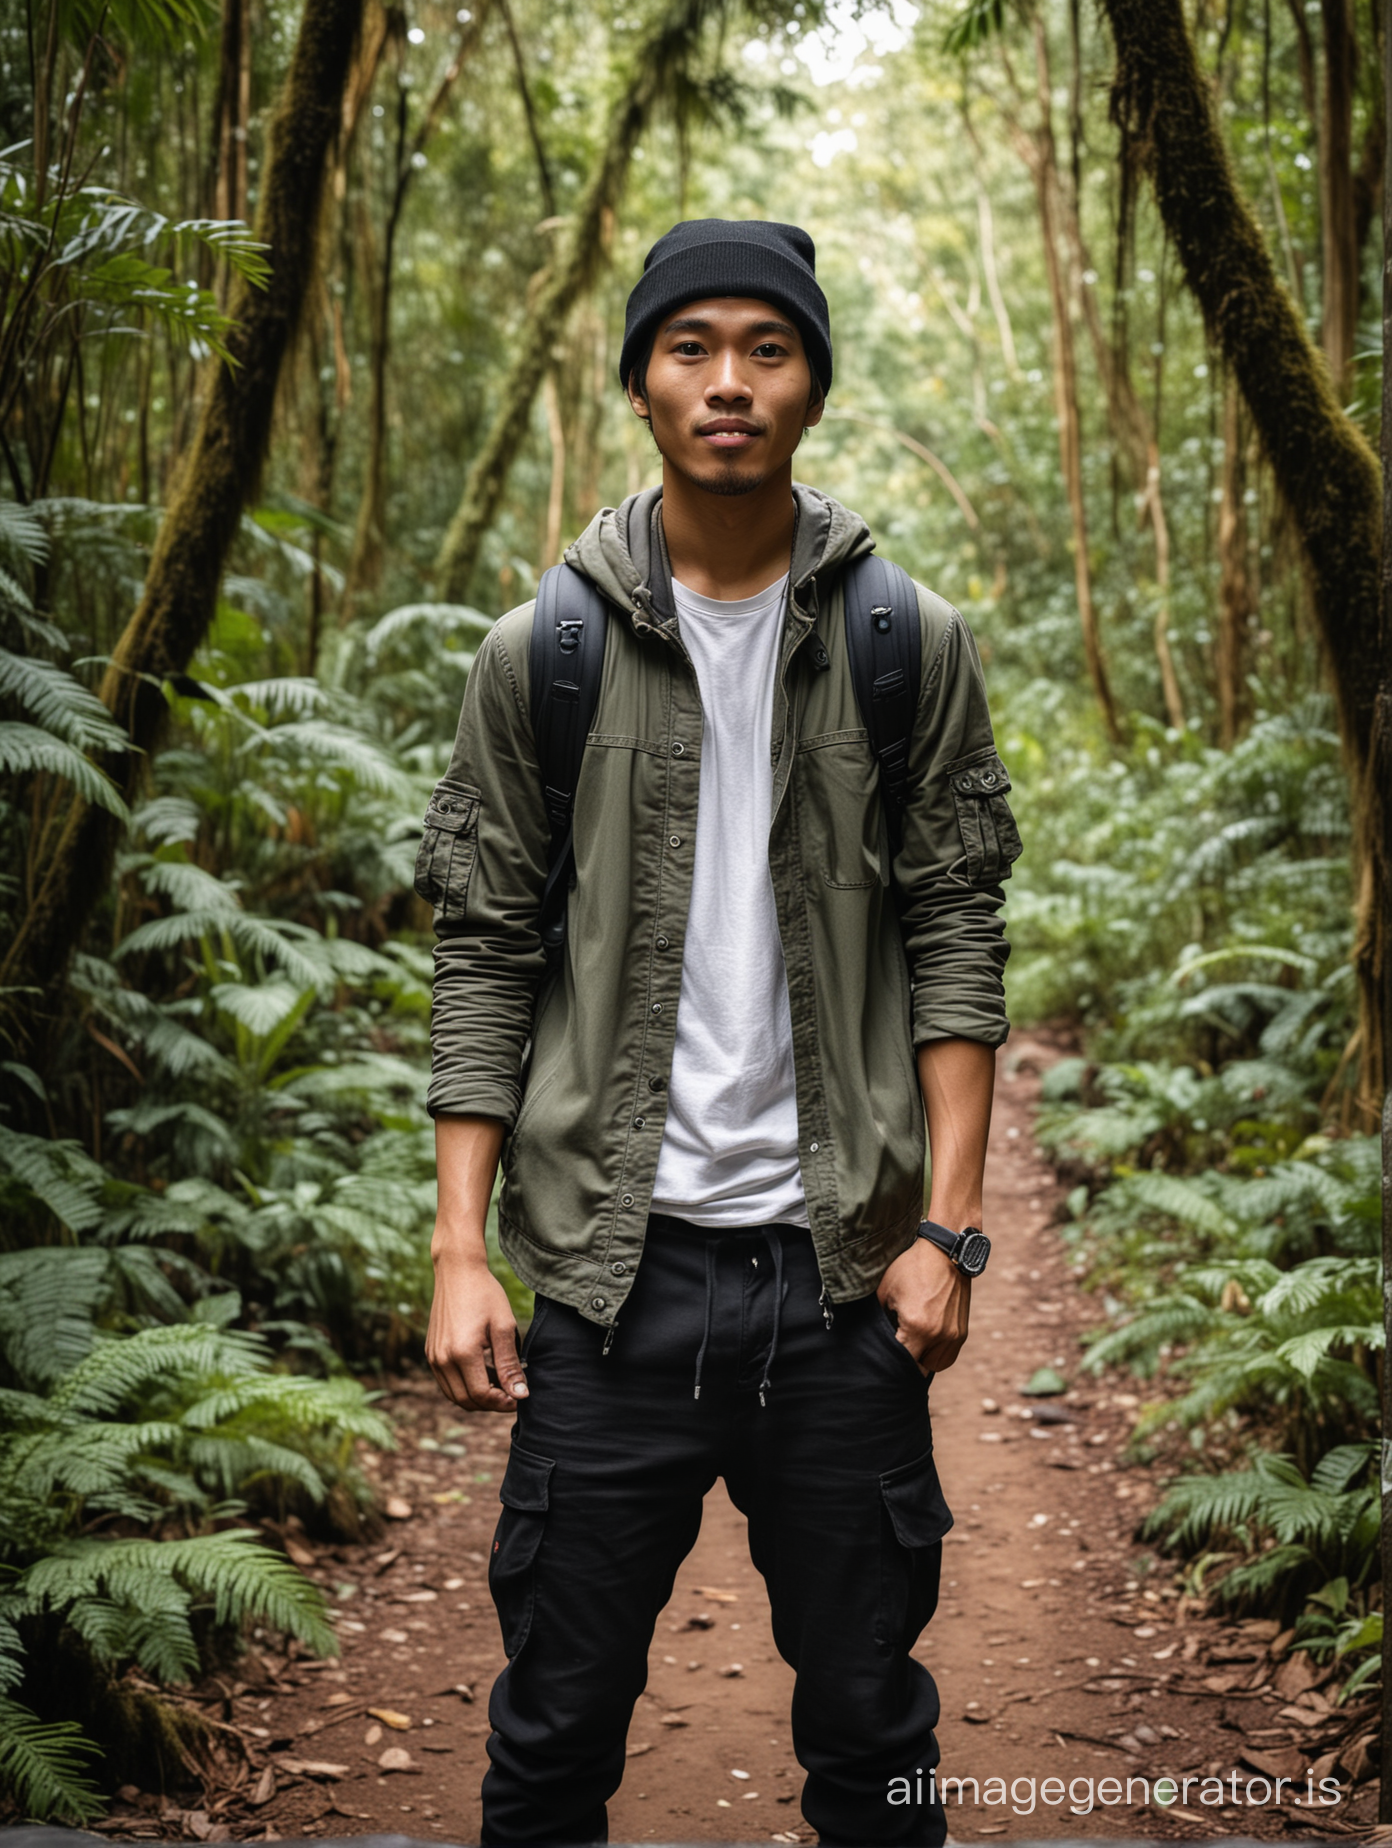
<point x="722" y="1364"/>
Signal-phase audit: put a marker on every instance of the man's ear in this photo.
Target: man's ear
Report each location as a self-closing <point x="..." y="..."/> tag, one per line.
<point x="638" y="400"/>
<point x="816" y="404"/>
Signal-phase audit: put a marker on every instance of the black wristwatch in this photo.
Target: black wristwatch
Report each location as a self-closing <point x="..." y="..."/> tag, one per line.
<point x="968" y="1249"/>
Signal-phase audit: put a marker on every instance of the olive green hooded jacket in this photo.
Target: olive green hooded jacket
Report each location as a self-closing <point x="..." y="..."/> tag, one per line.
<point x="880" y="957"/>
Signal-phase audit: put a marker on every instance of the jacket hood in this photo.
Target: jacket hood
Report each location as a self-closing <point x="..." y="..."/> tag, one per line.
<point x="623" y="553"/>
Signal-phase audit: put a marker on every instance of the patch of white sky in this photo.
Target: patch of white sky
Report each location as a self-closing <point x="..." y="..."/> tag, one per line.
<point x="832" y="54"/>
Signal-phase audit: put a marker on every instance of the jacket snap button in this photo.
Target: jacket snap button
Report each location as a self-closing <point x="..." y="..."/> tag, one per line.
<point x="989" y="779"/>
<point x="619" y="1269"/>
<point x="627" y="1200"/>
<point x="657" y="1084"/>
<point x="678" y="749"/>
<point x="674" y="840"/>
<point x="814" y="1146"/>
<point x="597" y="1302"/>
<point x="640" y="1122"/>
<point x="657" y="1007"/>
<point x="662" y="943"/>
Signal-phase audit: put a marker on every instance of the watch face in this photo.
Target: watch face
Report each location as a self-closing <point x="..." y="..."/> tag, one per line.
<point x="976" y="1248"/>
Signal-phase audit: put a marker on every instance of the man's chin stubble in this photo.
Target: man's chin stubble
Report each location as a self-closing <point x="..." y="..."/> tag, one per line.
<point x="727" y="479"/>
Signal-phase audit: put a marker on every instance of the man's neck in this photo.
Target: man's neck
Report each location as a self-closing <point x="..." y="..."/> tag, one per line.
<point x="728" y="546"/>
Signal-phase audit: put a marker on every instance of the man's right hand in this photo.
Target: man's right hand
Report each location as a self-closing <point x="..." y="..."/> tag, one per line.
<point x="471" y="1343"/>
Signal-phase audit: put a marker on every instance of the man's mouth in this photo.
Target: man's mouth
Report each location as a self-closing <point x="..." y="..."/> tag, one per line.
<point x="728" y="433"/>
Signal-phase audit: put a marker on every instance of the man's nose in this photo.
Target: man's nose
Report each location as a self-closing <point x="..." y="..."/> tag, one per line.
<point x="728" y="381"/>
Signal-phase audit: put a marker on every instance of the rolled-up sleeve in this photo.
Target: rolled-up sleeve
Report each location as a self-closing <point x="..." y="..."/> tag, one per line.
<point x="958" y="844"/>
<point x="482" y="868"/>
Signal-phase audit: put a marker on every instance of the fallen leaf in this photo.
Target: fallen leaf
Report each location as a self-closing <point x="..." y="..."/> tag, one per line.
<point x="396" y="1758"/>
<point x="264" y="1789"/>
<point x="198" y="1824"/>
<point x="1303" y="1716"/>
<point x="716" y="1596"/>
<point x="311" y="1767"/>
<point x="372" y="1736"/>
<point x="399" y="1722"/>
<point x="1360" y="1758"/>
<point x="301" y="1554"/>
<point x="340" y="1700"/>
<point x="397" y="1508"/>
<point x="418" y="1597"/>
<point x="1273" y="1764"/>
<point x="637" y="1750"/>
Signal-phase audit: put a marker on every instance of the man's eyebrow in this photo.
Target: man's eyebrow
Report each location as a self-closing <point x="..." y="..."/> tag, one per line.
<point x="697" y="324"/>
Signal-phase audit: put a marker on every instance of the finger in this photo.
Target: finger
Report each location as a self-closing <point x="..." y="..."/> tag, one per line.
<point x="451" y="1380"/>
<point x="476" y="1364"/>
<point x="507" y="1367"/>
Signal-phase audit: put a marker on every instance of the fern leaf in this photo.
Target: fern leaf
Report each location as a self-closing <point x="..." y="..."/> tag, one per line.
<point x="59" y="703"/>
<point x="42" y="1765"/>
<point x="26" y="750"/>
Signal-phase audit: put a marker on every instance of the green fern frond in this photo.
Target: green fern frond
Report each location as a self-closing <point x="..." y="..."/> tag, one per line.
<point x="59" y="703"/>
<point x="27" y="750"/>
<point x="42" y="1766"/>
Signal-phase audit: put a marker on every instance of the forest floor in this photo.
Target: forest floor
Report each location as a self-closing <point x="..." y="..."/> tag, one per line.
<point x="1061" y="1648"/>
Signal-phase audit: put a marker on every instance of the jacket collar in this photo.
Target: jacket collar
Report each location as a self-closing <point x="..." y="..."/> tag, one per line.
<point x="624" y="554"/>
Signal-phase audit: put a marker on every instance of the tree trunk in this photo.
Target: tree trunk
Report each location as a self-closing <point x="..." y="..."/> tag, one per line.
<point x="369" y="533"/>
<point x="1324" y="469"/>
<point x="219" y="477"/>
<point x="661" y="64"/>
<point x="1153" y="509"/>
<point x="1337" y="207"/>
<point x="1381" y="773"/>
<point x="1236" y="604"/>
<point x="1044" y="167"/>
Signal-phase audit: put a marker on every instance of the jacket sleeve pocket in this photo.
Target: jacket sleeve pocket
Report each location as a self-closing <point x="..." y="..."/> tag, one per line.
<point x="917" y="1517"/>
<point x="990" y="838"/>
<point x="526" y="1497"/>
<point x="448" y="849"/>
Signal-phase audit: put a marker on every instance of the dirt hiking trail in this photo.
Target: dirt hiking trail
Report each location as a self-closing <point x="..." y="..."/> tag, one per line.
<point x="1057" y="1654"/>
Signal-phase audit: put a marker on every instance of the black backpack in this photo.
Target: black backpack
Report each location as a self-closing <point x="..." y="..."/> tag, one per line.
<point x="569" y="627"/>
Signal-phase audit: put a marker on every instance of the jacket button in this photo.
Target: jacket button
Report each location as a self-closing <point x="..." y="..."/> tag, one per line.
<point x="657" y="1084"/>
<point x="657" y="1007"/>
<point x="640" y="1122"/>
<point x="663" y="944"/>
<point x="627" y="1200"/>
<point x="814" y="1146"/>
<point x="596" y="1302"/>
<point x="674" y="840"/>
<point x="678" y="749"/>
<point x="619" y="1269"/>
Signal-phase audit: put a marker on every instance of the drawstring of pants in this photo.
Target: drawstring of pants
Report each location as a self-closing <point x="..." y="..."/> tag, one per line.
<point x="710" y="1303"/>
<point x="775" y="1246"/>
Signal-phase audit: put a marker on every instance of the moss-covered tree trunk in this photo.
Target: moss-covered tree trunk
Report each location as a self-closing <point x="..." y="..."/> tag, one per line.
<point x="219" y="476"/>
<point x="1327" y="474"/>
<point x="663" y="58"/>
<point x="1381" y="770"/>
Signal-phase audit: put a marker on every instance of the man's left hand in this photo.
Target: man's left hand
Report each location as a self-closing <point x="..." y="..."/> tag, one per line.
<point x="931" y="1301"/>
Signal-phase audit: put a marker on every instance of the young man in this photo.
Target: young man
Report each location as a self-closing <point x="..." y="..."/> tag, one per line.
<point x="713" y="1151"/>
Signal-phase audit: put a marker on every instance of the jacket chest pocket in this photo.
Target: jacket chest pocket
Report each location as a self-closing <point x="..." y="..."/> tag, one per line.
<point x="448" y="849"/>
<point x="990" y="838"/>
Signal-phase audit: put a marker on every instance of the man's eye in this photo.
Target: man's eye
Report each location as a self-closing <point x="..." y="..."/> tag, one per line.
<point x="689" y="349"/>
<point x="769" y="350"/>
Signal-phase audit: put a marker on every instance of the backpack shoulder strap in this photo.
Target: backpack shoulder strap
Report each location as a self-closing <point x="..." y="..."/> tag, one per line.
<point x="884" y="645"/>
<point x="569" y="627"/>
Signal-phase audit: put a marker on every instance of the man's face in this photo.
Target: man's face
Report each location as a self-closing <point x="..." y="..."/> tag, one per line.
<point x="728" y="392"/>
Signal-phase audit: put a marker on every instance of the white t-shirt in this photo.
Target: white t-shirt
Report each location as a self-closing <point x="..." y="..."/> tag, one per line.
<point x="729" y="1154"/>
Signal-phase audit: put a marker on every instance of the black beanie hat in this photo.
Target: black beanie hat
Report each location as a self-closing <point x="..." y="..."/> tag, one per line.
<point x="705" y="257"/>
